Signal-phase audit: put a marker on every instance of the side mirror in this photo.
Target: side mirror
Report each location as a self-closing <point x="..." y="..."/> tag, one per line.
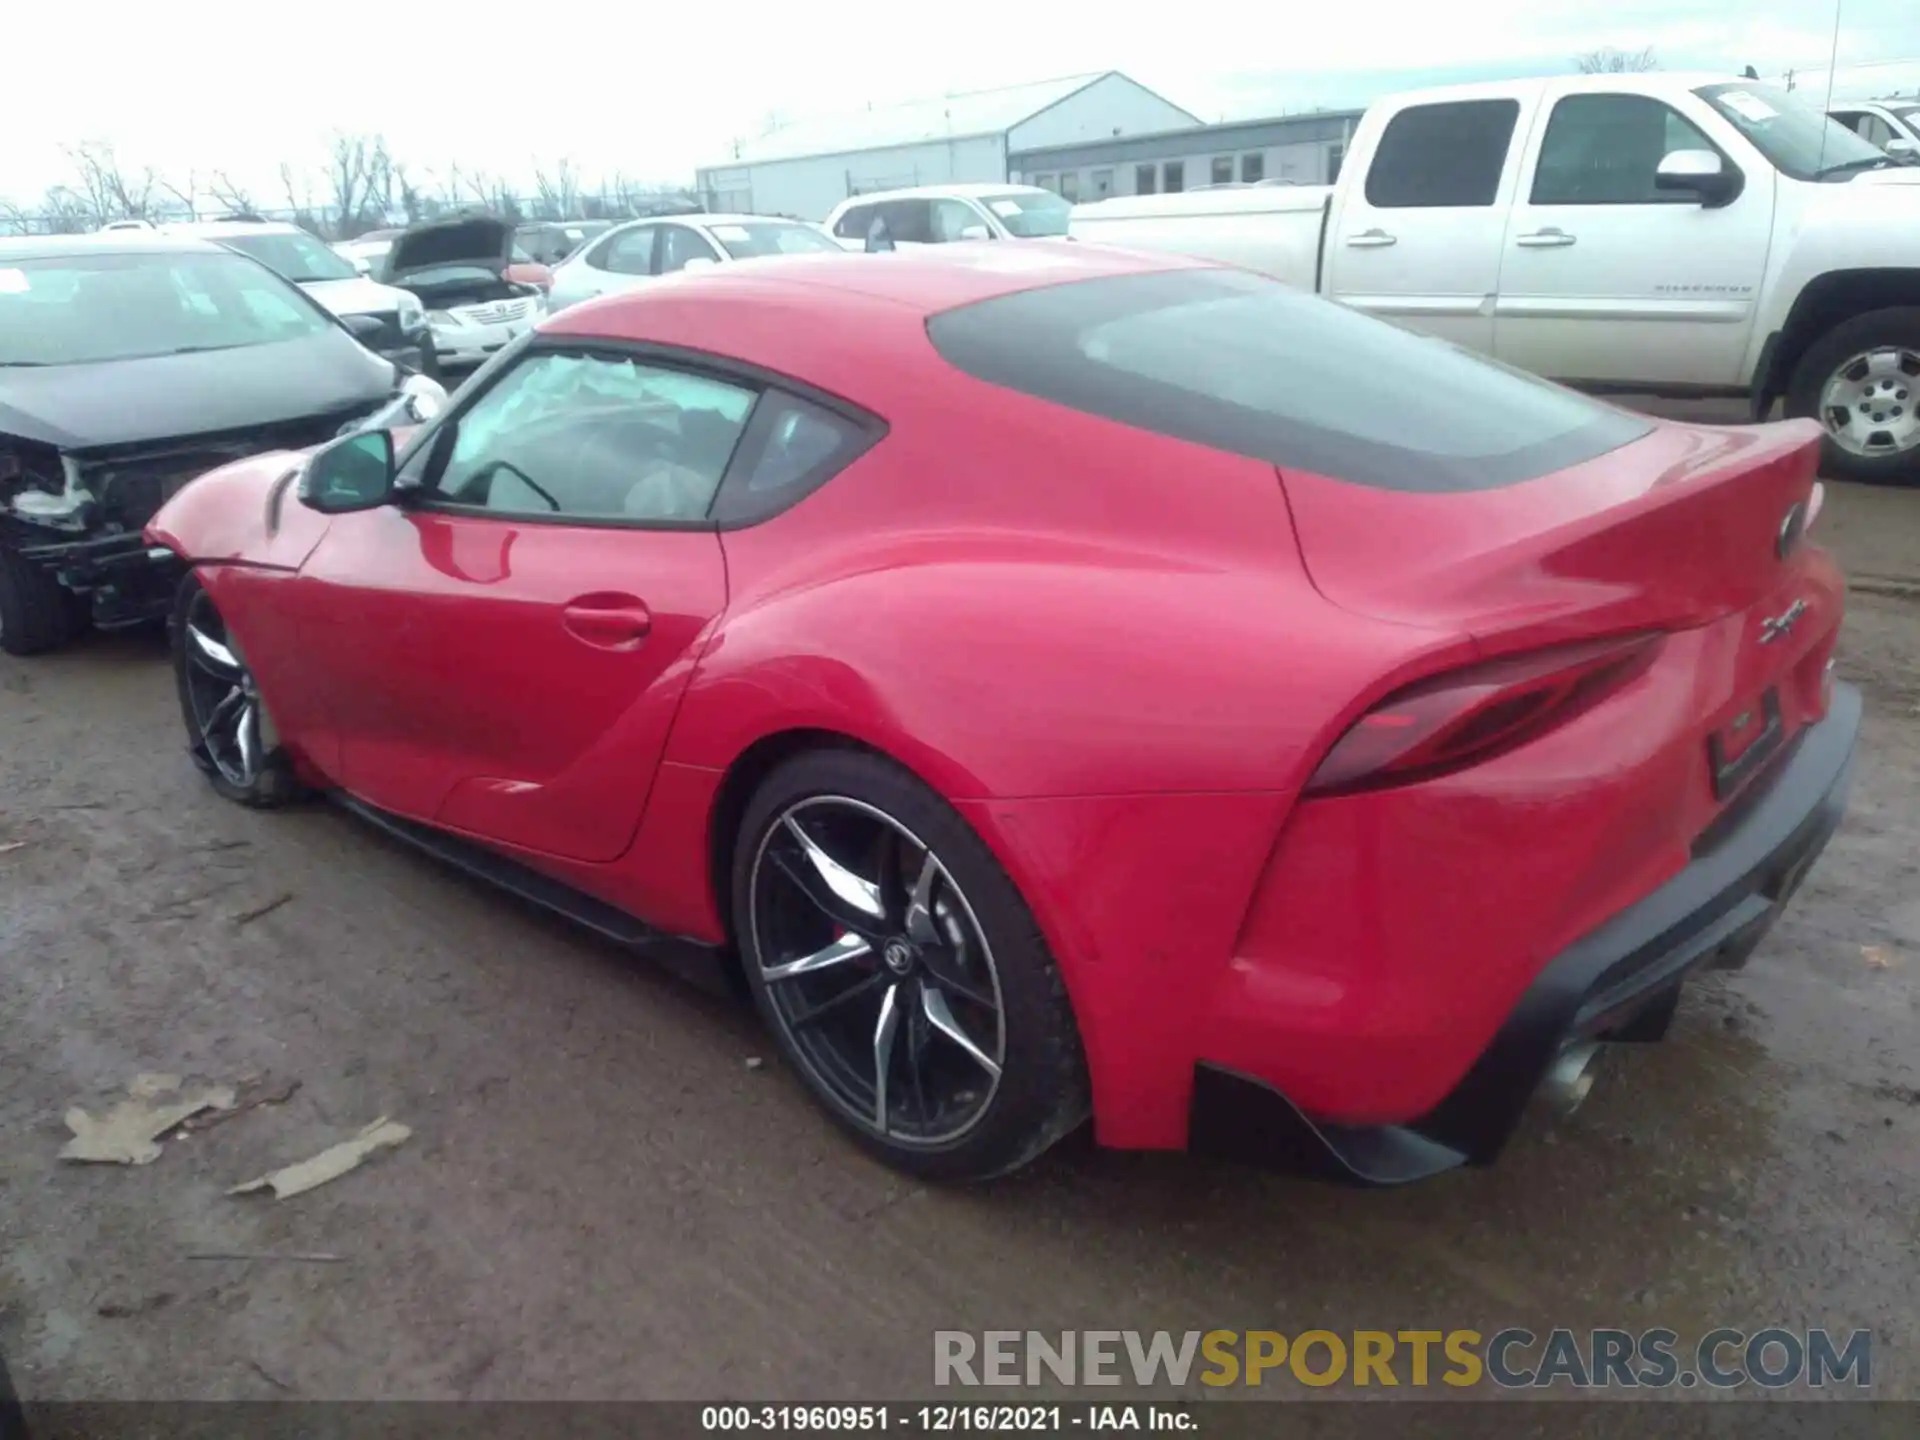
<point x="879" y="239"/>
<point x="365" y="328"/>
<point x="1901" y="148"/>
<point x="352" y="473"/>
<point x="975" y="232"/>
<point x="363" y="265"/>
<point x="1701" y="173"/>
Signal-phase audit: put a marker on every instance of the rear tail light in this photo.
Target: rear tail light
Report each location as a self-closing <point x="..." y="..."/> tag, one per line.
<point x="1470" y="715"/>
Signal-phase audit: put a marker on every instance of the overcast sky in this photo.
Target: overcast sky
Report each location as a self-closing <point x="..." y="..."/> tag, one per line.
<point x="654" y="89"/>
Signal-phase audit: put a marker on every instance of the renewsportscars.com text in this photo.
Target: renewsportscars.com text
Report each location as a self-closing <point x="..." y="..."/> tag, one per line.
<point x="1722" y="1359"/>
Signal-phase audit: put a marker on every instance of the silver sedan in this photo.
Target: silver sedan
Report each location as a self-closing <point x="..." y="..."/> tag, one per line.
<point x="640" y="251"/>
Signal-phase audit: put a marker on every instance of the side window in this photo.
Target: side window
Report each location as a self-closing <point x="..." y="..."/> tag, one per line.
<point x="951" y="218"/>
<point x="853" y="224"/>
<point x="910" y="222"/>
<point x="792" y="447"/>
<point x="678" y="245"/>
<point x="1433" y="156"/>
<point x="1873" y="128"/>
<point x="1854" y="120"/>
<point x="594" y="437"/>
<point x="1605" y="149"/>
<point x="627" y="252"/>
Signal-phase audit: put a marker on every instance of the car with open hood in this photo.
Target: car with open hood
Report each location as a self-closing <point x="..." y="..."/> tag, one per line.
<point x="330" y="278"/>
<point x="130" y="362"/>
<point x="479" y="286"/>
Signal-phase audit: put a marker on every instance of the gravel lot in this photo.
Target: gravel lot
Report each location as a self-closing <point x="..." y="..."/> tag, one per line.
<point x="603" y="1197"/>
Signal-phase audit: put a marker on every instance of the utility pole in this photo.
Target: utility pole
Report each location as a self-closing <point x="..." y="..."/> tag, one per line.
<point x="1789" y="79"/>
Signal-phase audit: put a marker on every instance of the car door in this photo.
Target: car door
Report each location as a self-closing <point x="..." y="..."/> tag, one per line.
<point x="621" y="260"/>
<point x="504" y="652"/>
<point x="1417" y="239"/>
<point x="1607" y="277"/>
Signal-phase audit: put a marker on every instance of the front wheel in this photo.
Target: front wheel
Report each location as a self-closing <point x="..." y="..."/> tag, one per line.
<point x="227" y="729"/>
<point x="900" y="971"/>
<point x="1861" y="381"/>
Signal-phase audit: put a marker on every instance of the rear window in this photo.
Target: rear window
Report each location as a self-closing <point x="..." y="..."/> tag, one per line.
<point x="1244" y="364"/>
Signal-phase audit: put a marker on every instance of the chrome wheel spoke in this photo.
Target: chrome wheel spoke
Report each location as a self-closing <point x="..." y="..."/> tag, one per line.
<point x="884" y="1031"/>
<point x="220" y="713"/>
<point x="839" y="952"/>
<point x="945" y="968"/>
<point x="940" y="1015"/>
<point x="919" y="915"/>
<point x="246" y="739"/>
<point x="843" y="896"/>
<point x="213" y="656"/>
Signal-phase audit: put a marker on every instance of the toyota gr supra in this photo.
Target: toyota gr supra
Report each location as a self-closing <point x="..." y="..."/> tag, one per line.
<point x="1070" y="684"/>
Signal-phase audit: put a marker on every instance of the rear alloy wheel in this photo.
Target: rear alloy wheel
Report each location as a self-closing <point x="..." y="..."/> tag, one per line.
<point x="900" y="971"/>
<point x="1862" y="383"/>
<point x="227" y="730"/>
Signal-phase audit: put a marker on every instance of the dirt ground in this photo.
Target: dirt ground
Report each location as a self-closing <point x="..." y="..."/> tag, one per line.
<point x="603" y="1198"/>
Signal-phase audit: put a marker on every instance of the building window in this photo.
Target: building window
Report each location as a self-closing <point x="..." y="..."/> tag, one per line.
<point x="1102" y="184"/>
<point x="1173" y="176"/>
<point x="1069" y="184"/>
<point x="1336" y="153"/>
<point x="1143" y="180"/>
<point x="1045" y="182"/>
<point x="1223" y="170"/>
<point x="1253" y="168"/>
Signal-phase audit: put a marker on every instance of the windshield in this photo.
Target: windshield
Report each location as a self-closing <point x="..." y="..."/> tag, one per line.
<point x="1797" y="138"/>
<point x="87" y="308"/>
<point x="1030" y="214"/>
<point x="745" y="242"/>
<point x="299" y="257"/>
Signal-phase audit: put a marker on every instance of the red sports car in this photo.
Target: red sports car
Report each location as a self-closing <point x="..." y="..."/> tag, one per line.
<point x="1070" y="683"/>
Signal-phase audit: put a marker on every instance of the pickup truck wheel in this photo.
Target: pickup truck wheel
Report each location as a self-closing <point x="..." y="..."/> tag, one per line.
<point x="1861" y="381"/>
<point x="37" y="613"/>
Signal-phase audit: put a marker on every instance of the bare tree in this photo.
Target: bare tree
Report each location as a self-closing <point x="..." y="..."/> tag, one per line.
<point x="106" y="189"/>
<point x="558" y="190"/>
<point x="236" y="199"/>
<point x="299" y="192"/>
<point x="1609" y="61"/>
<point x="359" y="175"/>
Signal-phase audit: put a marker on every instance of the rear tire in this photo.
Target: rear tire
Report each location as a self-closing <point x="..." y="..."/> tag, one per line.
<point x="942" y="970"/>
<point x="228" y="733"/>
<point x="1865" y="372"/>
<point x="37" y="612"/>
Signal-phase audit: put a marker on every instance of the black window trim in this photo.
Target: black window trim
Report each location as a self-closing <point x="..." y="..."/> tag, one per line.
<point x="724" y="511"/>
<point x="1506" y="152"/>
<point x="1678" y="197"/>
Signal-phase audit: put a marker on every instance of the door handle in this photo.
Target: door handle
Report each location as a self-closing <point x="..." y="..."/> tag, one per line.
<point x="1544" y="239"/>
<point x="1372" y="239"/>
<point x="613" y="622"/>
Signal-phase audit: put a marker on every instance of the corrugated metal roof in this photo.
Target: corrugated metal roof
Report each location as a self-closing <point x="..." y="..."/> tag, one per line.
<point x="976" y="112"/>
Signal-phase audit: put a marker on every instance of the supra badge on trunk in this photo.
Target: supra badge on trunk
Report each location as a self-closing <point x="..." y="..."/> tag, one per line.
<point x="1778" y="627"/>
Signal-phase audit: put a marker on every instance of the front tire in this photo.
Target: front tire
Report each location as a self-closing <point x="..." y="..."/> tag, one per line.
<point x="900" y="971"/>
<point x="1861" y="381"/>
<point x="227" y="729"/>
<point x="37" y="612"/>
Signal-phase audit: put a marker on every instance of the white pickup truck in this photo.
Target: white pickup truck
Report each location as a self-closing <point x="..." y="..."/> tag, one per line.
<point x="1683" y="235"/>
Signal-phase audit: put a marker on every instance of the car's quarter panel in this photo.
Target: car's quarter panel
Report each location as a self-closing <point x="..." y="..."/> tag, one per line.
<point x="463" y="695"/>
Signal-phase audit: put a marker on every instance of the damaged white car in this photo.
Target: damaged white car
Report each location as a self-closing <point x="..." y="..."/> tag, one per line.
<point x="130" y="363"/>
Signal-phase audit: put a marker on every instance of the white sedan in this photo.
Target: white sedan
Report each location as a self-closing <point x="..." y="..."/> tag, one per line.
<point x="632" y="254"/>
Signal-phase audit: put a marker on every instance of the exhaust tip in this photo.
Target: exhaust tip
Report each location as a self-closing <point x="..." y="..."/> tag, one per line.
<point x="1571" y="1077"/>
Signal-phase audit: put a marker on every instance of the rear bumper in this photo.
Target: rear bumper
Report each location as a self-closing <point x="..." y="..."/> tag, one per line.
<point x="1618" y="982"/>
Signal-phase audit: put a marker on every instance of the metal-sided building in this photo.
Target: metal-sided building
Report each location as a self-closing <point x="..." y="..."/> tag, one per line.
<point x="806" y="168"/>
<point x="1306" y="149"/>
